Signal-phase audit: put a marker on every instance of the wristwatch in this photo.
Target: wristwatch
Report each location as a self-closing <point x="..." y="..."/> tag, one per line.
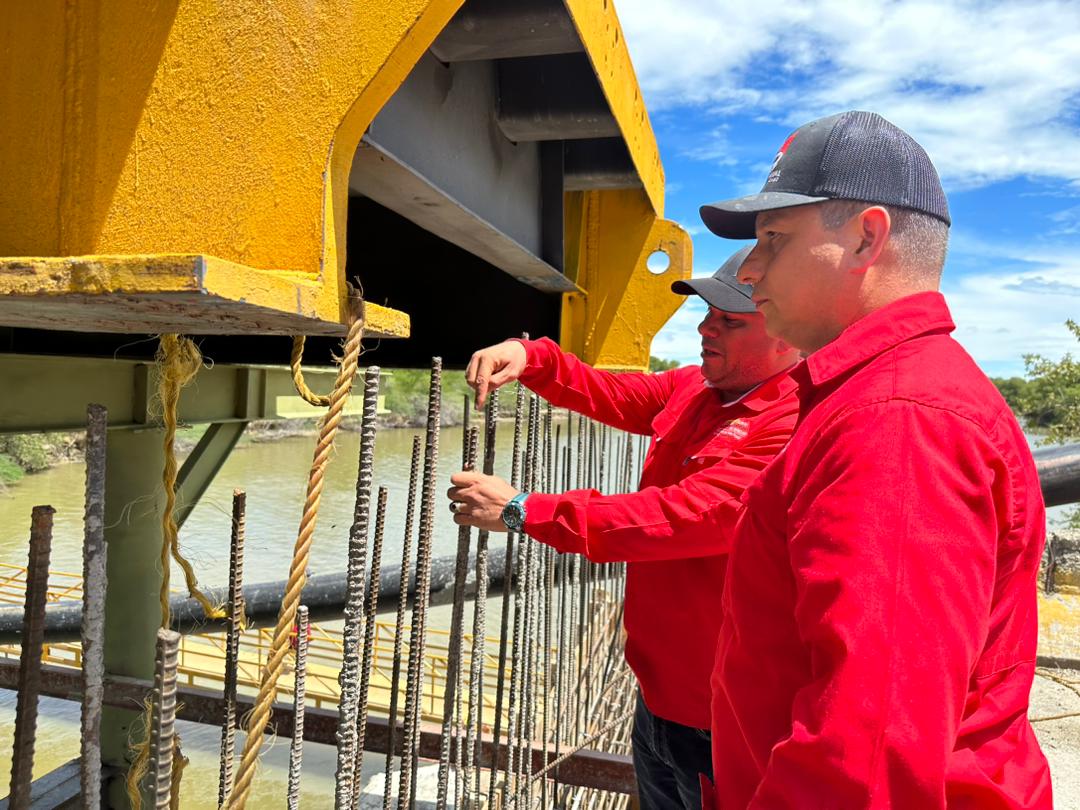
<point x="513" y="514"/>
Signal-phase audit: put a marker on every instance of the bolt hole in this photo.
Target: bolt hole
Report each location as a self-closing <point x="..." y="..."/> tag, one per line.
<point x="658" y="262"/>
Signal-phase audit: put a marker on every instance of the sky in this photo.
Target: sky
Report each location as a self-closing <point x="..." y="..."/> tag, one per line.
<point x="991" y="91"/>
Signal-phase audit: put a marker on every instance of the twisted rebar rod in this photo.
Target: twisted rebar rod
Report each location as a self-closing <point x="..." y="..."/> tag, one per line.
<point x="163" y="717"/>
<point x="399" y="626"/>
<point x="232" y="643"/>
<point x="296" y="747"/>
<point x="348" y="707"/>
<point x="369" y="641"/>
<point x="93" y="612"/>
<point x="26" y="699"/>
<point x="417" y="636"/>
<point x="453" y="655"/>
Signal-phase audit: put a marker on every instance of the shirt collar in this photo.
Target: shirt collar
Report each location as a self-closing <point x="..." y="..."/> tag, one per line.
<point x="767" y="392"/>
<point x="879" y="331"/>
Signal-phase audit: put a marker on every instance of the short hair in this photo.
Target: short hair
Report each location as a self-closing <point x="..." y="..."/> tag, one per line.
<point x="918" y="240"/>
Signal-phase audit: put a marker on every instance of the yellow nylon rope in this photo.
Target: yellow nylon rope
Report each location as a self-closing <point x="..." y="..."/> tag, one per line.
<point x="279" y="646"/>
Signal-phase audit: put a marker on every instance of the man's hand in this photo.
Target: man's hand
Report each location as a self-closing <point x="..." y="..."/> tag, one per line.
<point x="478" y="500"/>
<point x="493" y="367"/>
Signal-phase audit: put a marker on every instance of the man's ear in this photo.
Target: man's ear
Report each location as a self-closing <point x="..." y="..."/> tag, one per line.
<point x="867" y="238"/>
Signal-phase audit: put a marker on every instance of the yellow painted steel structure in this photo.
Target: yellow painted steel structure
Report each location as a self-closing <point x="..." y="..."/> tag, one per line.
<point x="184" y="167"/>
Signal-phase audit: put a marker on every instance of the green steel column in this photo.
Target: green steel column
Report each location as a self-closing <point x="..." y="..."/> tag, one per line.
<point x="134" y="499"/>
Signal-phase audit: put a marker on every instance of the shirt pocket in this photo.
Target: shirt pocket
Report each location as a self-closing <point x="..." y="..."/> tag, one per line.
<point x="717" y="448"/>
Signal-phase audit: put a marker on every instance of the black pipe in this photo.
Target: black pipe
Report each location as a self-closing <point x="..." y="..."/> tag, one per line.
<point x="323" y="594"/>
<point x="1059" y="476"/>
<point x="1059" y="473"/>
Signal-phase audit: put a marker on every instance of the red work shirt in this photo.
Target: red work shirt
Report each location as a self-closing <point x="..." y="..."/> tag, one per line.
<point x="880" y="626"/>
<point x="675" y="531"/>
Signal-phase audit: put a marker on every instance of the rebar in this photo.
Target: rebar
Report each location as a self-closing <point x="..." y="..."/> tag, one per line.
<point x="399" y="625"/>
<point x="26" y="700"/>
<point x="528" y="705"/>
<point x="296" y="747"/>
<point x="417" y="636"/>
<point x="354" y="602"/>
<point x="515" y="668"/>
<point x="507" y="595"/>
<point x="369" y="641"/>
<point x="93" y="611"/>
<point x="232" y="643"/>
<point x="476" y="674"/>
<point x="453" y="655"/>
<point x="163" y="717"/>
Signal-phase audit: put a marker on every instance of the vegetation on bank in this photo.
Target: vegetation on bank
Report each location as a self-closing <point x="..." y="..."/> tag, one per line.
<point x="1047" y="401"/>
<point x="22" y="453"/>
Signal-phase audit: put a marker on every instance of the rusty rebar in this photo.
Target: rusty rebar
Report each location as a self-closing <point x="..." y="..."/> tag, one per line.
<point x="507" y="595"/>
<point x="163" y="717"/>
<point x="417" y="637"/>
<point x="453" y="655"/>
<point x="399" y="627"/>
<point x="476" y="674"/>
<point x="26" y="701"/>
<point x="232" y="643"/>
<point x="369" y="642"/>
<point x="296" y="747"/>
<point x="354" y="601"/>
<point x="93" y="611"/>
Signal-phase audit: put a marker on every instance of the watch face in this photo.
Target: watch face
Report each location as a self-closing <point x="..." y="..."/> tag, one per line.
<point x="513" y="516"/>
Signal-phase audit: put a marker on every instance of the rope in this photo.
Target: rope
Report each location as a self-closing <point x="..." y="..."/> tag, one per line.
<point x="306" y="393"/>
<point x="178" y="361"/>
<point x="279" y="646"/>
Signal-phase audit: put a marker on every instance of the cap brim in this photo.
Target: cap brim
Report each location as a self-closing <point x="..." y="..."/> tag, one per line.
<point x="734" y="219"/>
<point x="716" y="294"/>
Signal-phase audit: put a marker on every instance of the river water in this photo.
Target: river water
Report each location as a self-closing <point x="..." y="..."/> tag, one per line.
<point x="274" y="475"/>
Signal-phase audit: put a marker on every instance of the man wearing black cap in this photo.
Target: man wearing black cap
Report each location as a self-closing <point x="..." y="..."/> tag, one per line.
<point x="714" y="428"/>
<point x="878" y="644"/>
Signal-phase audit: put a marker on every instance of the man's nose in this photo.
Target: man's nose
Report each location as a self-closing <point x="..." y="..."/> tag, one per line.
<point x="751" y="270"/>
<point x="708" y="327"/>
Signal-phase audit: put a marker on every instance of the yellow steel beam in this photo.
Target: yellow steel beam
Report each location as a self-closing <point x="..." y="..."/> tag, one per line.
<point x="170" y="293"/>
<point x="610" y="237"/>
<point x="598" y="27"/>
<point x="197" y="127"/>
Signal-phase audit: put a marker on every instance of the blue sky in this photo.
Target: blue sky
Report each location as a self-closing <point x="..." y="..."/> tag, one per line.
<point x="991" y="90"/>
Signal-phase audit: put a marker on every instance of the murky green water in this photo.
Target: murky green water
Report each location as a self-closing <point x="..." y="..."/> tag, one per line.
<point x="274" y="474"/>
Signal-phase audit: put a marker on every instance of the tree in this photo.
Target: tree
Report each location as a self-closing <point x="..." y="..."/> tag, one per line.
<point x="1051" y="398"/>
<point x="659" y="364"/>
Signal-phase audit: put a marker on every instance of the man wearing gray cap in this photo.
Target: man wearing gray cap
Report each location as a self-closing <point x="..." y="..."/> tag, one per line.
<point x="880" y="627"/>
<point x="714" y="427"/>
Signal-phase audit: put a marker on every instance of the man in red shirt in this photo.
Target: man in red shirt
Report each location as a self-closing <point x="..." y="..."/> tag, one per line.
<point x="878" y="644"/>
<point x="714" y="428"/>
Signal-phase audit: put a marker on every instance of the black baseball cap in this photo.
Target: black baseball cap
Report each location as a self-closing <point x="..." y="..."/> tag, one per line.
<point x="849" y="156"/>
<point x="721" y="289"/>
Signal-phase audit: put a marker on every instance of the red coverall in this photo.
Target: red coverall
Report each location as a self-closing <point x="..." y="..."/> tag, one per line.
<point x="880" y="626"/>
<point x="675" y="531"/>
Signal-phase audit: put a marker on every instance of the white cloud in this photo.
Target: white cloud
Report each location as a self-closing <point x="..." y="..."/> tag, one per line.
<point x="1002" y="316"/>
<point x="992" y="90"/>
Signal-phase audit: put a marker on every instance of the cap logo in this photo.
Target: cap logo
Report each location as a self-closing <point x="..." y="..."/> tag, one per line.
<point x="774" y="171"/>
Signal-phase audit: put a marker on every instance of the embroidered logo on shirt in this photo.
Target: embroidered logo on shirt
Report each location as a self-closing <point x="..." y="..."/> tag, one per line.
<point x="736" y="429"/>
